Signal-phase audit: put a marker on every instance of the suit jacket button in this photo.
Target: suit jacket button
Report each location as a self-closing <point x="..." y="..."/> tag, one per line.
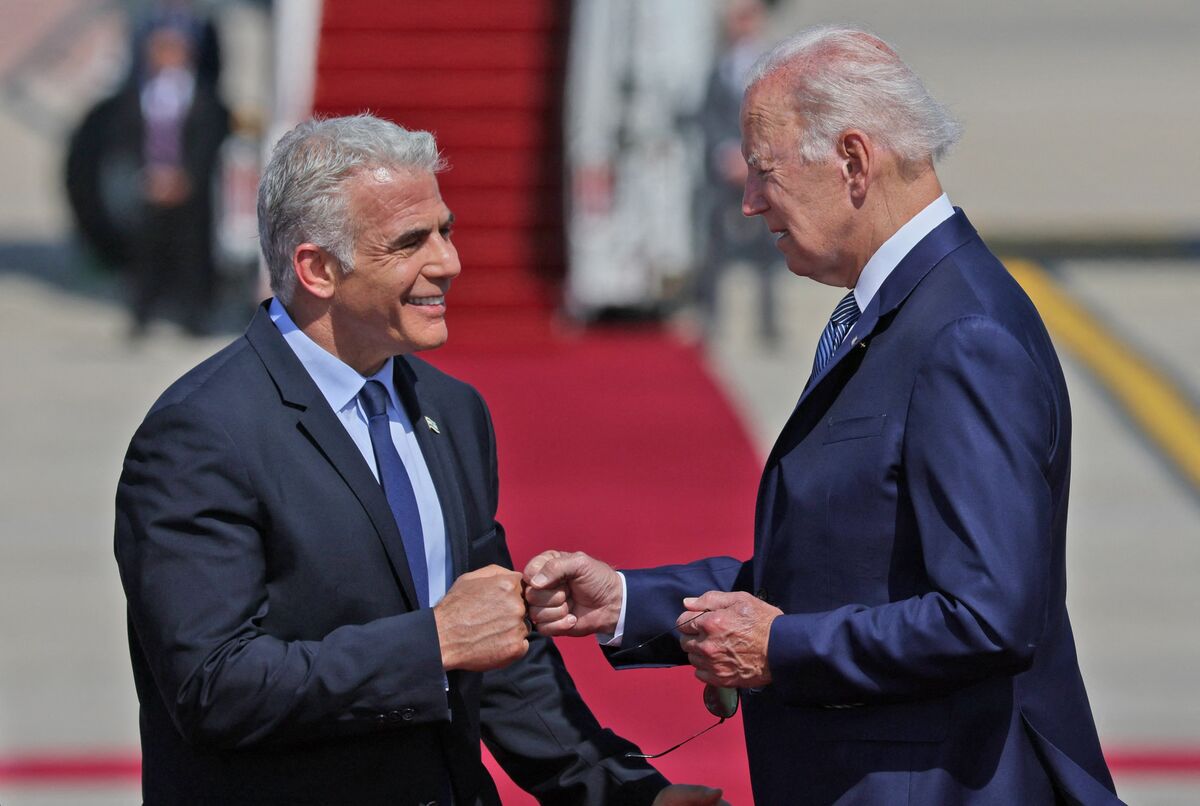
<point x="407" y="714"/>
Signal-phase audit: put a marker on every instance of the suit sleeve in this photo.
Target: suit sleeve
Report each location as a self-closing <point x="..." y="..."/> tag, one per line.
<point x="980" y="436"/>
<point x="536" y="724"/>
<point x="656" y="600"/>
<point x="190" y="547"/>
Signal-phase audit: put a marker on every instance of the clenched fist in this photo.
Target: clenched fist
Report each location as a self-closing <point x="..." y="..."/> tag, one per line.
<point x="572" y="594"/>
<point x="481" y="620"/>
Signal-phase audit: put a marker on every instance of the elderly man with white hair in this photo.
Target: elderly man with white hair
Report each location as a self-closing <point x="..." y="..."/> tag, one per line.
<point x="900" y="634"/>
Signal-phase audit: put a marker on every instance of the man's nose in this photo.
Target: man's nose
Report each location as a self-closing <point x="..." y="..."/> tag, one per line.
<point x="753" y="202"/>
<point x="445" y="262"/>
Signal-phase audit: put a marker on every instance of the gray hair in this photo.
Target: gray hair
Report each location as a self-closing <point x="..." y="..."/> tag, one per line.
<point x="844" y="78"/>
<point x="302" y="197"/>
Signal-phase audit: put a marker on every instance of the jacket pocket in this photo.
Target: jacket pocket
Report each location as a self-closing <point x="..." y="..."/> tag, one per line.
<point x="916" y="721"/>
<point x="487" y="549"/>
<point x="854" y="428"/>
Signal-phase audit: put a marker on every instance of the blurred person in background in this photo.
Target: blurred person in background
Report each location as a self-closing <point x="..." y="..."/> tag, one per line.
<point x="726" y="236"/>
<point x="141" y="169"/>
<point x="321" y="603"/>
<point x="635" y="78"/>
<point x="901" y="633"/>
<point x="183" y="124"/>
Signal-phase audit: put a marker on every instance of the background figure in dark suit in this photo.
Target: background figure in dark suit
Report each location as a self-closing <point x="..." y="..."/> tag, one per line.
<point x="141" y="166"/>
<point x="321" y="603"/>
<point x="182" y="124"/>
<point x="900" y="634"/>
<point x="728" y="236"/>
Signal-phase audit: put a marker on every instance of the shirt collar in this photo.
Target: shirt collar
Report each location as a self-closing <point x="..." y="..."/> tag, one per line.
<point x="339" y="382"/>
<point x="893" y="250"/>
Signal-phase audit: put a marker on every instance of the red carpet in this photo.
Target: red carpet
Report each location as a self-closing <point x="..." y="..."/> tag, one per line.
<point x="621" y="445"/>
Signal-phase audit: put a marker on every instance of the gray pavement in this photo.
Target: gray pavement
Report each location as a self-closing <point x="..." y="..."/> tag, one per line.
<point x="73" y="392"/>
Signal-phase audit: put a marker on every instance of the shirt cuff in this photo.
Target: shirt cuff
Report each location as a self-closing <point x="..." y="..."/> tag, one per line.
<point x="614" y="640"/>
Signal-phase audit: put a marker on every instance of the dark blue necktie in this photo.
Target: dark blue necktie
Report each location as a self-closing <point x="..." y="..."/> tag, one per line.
<point x="844" y="316"/>
<point x="396" y="485"/>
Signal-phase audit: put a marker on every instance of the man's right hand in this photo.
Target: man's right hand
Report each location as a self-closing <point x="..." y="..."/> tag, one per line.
<point x="572" y="594"/>
<point x="481" y="620"/>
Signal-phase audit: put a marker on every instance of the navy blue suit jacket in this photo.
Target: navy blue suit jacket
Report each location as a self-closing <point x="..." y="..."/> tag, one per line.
<point x="910" y="524"/>
<point x="278" y="652"/>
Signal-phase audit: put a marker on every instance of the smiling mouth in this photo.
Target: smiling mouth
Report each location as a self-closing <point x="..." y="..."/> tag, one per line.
<point x="428" y="301"/>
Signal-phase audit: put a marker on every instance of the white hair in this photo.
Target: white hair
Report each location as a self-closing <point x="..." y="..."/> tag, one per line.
<point x="844" y="78"/>
<point x="302" y="195"/>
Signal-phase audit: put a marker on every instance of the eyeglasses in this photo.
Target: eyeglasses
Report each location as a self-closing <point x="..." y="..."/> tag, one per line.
<point x="720" y="702"/>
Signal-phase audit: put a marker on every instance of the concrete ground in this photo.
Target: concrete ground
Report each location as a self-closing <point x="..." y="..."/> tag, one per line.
<point x="73" y="391"/>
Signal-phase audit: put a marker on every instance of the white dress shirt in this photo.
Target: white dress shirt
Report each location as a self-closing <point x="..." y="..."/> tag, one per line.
<point x="340" y="384"/>
<point x="888" y="256"/>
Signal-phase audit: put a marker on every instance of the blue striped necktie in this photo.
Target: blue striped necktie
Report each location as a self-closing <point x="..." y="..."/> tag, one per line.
<point x="844" y="316"/>
<point x="396" y="486"/>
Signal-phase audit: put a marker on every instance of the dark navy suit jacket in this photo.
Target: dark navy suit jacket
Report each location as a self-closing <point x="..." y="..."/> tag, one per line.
<point x="910" y="524"/>
<point x="277" y="648"/>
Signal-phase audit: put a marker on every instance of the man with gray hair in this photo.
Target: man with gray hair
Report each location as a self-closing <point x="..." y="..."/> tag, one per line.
<point x="900" y="634"/>
<point x="322" y="607"/>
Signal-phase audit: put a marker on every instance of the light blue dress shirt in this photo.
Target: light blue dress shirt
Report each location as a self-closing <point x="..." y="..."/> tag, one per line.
<point x="340" y="384"/>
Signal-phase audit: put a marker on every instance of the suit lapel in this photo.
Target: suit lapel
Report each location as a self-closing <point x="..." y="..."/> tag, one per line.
<point x="929" y="251"/>
<point x="321" y="426"/>
<point x="439" y="458"/>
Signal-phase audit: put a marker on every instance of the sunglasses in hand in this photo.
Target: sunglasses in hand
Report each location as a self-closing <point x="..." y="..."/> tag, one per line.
<point x="720" y="702"/>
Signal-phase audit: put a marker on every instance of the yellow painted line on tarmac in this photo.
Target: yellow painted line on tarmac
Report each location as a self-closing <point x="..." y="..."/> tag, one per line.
<point x="1155" y="404"/>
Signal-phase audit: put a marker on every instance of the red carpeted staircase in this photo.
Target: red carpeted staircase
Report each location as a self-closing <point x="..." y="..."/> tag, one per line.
<point x="486" y="77"/>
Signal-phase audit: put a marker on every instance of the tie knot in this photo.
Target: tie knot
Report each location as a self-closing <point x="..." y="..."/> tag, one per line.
<point x="374" y="399"/>
<point x="846" y="312"/>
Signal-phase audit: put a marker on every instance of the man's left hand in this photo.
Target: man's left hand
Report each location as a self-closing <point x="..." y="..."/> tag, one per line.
<point x="728" y="644"/>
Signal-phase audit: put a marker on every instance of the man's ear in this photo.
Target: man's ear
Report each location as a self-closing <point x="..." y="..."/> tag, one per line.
<point x="857" y="155"/>
<point x="317" y="271"/>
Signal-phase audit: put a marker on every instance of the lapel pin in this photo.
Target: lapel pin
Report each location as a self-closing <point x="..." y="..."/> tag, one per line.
<point x="432" y="425"/>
